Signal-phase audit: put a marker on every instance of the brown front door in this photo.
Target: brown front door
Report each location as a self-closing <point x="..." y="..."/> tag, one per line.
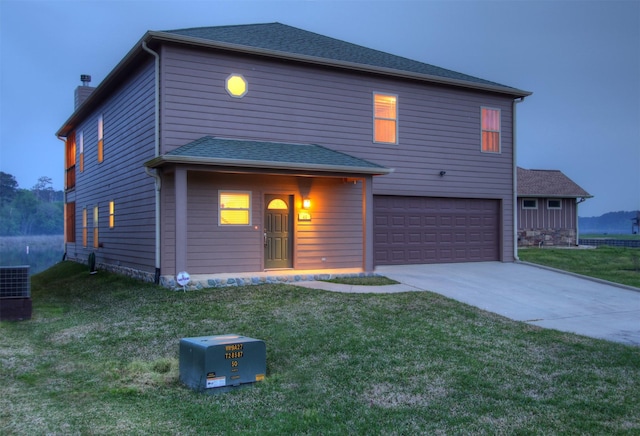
<point x="278" y="240"/>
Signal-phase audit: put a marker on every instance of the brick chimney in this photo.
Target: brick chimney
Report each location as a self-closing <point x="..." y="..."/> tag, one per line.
<point x="83" y="91"/>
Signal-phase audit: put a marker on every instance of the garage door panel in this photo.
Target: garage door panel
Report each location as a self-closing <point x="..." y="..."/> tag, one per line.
<point x="414" y="221"/>
<point x="415" y="238"/>
<point x="461" y="221"/>
<point x="398" y="221"/>
<point x="435" y="230"/>
<point x="398" y="238"/>
<point x="429" y="221"/>
<point x="381" y="220"/>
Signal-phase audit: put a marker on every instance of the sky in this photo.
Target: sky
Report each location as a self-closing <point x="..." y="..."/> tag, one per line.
<point x="581" y="60"/>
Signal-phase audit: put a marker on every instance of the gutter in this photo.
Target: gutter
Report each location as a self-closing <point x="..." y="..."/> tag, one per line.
<point x="196" y="160"/>
<point x="515" y="179"/>
<point x="170" y="37"/>
<point x="64" y="201"/>
<point x="578" y="201"/>
<point x="153" y="172"/>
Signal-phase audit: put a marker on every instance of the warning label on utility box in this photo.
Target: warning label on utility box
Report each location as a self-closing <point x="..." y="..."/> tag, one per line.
<point x="215" y="382"/>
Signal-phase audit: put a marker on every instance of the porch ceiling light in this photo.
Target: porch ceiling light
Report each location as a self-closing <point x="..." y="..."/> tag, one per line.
<point x="236" y="86"/>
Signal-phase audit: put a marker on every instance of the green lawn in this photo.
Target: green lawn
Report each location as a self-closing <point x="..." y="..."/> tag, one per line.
<point x="620" y="265"/>
<point x="100" y="356"/>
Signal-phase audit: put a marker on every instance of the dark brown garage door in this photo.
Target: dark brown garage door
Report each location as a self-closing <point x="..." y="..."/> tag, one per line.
<point x="411" y="230"/>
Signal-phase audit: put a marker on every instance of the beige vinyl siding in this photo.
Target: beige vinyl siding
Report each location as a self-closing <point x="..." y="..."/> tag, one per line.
<point x="334" y="233"/>
<point x="120" y="177"/>
<point x="439" y="127"/>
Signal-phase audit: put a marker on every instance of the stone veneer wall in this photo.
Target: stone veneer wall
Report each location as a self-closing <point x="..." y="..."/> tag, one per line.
<point x="547" y="237"/>
<point x="231" y="281"/>
<point x="170" y="282"/>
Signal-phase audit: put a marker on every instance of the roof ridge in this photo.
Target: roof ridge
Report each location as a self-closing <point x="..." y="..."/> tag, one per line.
<point x="290" y="40"/>
<point x="224" y="26"/>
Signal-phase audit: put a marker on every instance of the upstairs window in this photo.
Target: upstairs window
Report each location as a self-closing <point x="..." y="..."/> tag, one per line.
<point x="385" y="118"/>
<point x="100" y="138"/>
<point x="235" y="208"/>
<point x="490" y="130"/>
<point x="81" y="150"/>
<point x="70" y="162"/>
<point x="236" y="86"/>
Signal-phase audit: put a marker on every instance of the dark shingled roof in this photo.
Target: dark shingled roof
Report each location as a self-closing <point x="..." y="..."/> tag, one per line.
<point x="279" y="37"/>
<point x="210" y="150"/>
<point x="548" y="183"/>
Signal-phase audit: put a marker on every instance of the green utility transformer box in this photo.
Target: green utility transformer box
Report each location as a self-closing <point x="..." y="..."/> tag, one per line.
<point x="209" y="362"/>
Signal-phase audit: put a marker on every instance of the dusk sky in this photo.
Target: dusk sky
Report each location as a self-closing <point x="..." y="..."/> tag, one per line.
<point x="581" y="60"/>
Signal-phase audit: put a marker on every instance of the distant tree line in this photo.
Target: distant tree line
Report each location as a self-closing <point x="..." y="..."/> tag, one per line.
<point x="35" y="211"/>
<point x="611" y="222"/>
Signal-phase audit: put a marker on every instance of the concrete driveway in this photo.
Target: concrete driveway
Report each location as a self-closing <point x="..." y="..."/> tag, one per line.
<point x="538" y="296"/>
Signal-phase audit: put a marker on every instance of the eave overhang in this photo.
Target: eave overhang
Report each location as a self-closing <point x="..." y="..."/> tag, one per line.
<point x="201" y="42"/>
<point x="164" y="160"/>
<point x="137" y="55"/>
<point x="554" y="196"/>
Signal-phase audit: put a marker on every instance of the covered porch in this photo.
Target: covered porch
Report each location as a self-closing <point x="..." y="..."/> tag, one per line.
<point x="237" y="210"/>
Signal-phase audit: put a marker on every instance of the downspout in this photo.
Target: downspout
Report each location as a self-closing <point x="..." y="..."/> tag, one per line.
<point x="581" y="200"/>
<point x="154" y="173"/>
<point x="64" y="201"/>
<point x="515" y="180"/>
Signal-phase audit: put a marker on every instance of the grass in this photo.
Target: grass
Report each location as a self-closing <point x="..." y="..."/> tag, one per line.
<point x="100" y="356"/>
<point x="615" y="264"/>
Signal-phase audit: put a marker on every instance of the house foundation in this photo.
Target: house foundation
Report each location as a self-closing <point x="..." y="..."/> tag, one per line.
<point x="547" y="237"/>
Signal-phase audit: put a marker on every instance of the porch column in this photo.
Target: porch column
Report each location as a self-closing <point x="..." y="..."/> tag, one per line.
<point x="367" y="223"/>
<point x="181" y="219"/>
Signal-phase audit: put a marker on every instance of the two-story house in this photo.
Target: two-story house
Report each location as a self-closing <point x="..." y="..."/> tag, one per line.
<point x="263" y="147"/>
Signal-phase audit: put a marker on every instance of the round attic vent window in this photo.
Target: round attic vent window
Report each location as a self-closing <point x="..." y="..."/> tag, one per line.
<point x="236" y="86"/>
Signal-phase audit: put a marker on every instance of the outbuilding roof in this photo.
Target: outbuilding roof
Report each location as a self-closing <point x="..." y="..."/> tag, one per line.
<point x="548" y="183"/>
<point x="213" y="151"/>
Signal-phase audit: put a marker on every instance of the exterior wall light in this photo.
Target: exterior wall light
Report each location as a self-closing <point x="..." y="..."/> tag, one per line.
<point x="306" y="203"/>
<point x="236" y="86"/>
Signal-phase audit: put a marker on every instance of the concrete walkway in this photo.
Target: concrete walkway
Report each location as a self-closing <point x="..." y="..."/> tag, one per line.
<point x="522" y="292"/>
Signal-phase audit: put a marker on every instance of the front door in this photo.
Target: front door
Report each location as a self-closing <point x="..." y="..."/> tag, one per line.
<point x="278" y="241"/>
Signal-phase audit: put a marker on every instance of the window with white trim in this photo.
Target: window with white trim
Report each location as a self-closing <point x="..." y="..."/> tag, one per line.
<point x="234" y="208"/>
<point x="112" y="214"/>
<point x="490" y="130"/>
<point x="554" y="204"/>
<point x="100" y="138"/>
<point x="96" y="244"/>
<point x="529" y="203"/>
<point x="385" y="118"/>
<point x="81" y="151"/>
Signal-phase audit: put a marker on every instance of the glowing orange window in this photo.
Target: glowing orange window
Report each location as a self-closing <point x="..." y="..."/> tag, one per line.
<point x="385" y="118"/>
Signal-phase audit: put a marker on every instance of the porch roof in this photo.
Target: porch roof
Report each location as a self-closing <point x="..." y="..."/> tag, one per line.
<point x="213" y="151"/>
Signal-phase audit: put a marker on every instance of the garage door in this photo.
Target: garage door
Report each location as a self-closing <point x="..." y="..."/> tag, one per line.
<point x="412" y="230"/>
